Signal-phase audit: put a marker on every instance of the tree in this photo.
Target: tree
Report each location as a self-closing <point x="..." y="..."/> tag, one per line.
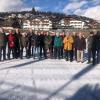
<point x="16" y="23"/>
<point x="33" y="10"/>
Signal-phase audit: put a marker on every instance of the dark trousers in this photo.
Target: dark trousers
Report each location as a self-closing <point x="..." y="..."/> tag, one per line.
<point x="29" y="52"/>
<point x="51" y="49"/>
<point x="96" y="56"/>
<point x="61" y="51"/>
<point x="75" y="54"/>
<point x="9" y="52"/>
<point x="3" y="49"/>
<point x="42" y="48"/>
<point x="89" y="55"/>
<point x="69" y="55"/>
<point x="57" y="52"/>
<point x="17" y="51"/>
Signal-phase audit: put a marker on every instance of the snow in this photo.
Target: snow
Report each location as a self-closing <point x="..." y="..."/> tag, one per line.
<point x="48" y="79"/>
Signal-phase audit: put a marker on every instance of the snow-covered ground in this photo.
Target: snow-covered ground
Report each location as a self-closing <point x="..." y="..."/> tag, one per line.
<point x="48" y="80"/>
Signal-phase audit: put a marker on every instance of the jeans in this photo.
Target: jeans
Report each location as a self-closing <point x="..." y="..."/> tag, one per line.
<point x="69" y="54"/>
<point x="35" y="52"/>
<point x="89" y="55"/>
<point x="9" y="52"/>
<point x="42" y="48"/>
<point x="57" y="52"/>
<point x="96" y="56"/>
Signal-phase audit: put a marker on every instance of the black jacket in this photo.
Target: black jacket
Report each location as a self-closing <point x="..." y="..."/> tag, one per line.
<point x="96" y="42"/>
<point x="41" y="40"/>
<point x="17" y="39"/>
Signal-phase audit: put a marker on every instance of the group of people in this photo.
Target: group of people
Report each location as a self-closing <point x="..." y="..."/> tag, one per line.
<point x="44" y="44"/>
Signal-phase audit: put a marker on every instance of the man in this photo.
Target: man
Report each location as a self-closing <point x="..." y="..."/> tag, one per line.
<point x="42" y="45"/>
<point x="17" y="43"/>
<point x="96" y="48"/>
<point x="89" y="44"/>
<point x="68" y="47"/>
<point x="52" y="44"/>
<point x="47" y="42"/>
<point x="62" y="35"/>
<point x="74" y="45"/>
<point x="35" y="45"/>
<point x="57" y="46"/>
<point x="23" y="44"/>
<point x="3" y="42"/>
<point x="29" y="36"/>
<point x="81" y="46"/>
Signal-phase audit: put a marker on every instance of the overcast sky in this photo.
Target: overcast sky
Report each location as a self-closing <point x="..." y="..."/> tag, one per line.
<point x="88" y="8"/>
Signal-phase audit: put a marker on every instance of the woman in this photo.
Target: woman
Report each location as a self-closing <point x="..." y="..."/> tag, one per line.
<point x="11" y="44"/>
<point x="68" y="47"/>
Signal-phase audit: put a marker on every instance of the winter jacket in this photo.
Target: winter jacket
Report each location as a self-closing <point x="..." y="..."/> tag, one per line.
<point x="75" y="41"/>
<point x="47" y="41"/>
<point x="41" y="39"/>
<point x="3" y="39"/>
<point x="58" y="42"/>
<point x="68" y="43"/>
<point x="17" y="39"/>
<point x="96" y="42"/>
<point x="23" y="41"/>
<point x="80" y="43"/>
<point x="89" y="42"/>
<point x="11" y="40"/>
<point x="29" y="36"/>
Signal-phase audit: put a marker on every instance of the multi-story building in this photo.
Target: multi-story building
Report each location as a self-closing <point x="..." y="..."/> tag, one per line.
<point x="37" y="23"/>
<point x="67" y="23"/>
<point x="64" y="23"/>
<point x="77" y="24"/>
<point x="26" y="24"/>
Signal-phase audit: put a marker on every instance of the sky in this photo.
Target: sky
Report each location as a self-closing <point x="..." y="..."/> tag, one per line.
<point x="88" y="8"/>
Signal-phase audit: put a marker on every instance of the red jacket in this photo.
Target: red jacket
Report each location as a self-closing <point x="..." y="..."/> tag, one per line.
<point x="11" y="40"/>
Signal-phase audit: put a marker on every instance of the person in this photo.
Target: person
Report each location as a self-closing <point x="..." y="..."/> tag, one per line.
<point x="89" y="45"/>
<point x="74" y="45"/>
<point x="23" y="44"/>
<point x="3" y="42"/>
<point x="11" y="44"/>
<point x="80" y="46"/>
<point x="68" y="47"/>
<point x="29" y="36"/>
<point x="42" y="45"/>
<point x="96" y="48"/>
<point x="47" y="41"/>
<point x="58" y="42"/>
<point x="51" y="49"/>
<point x="62" y="35"/>
<point x="17" y="43"/>
<point x="35" y="45"/>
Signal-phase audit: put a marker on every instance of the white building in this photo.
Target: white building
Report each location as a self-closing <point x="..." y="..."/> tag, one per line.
<point x="38" y="23"/>
<point x="77" y="24"/>
<point x="26" y="24"/>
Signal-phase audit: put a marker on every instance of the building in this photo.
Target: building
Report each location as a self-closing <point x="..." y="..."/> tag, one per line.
<point x="64" y="23"/>
<point x="38" y="23"/>
<point x="77" y="24"/>
<point x="26" y="24"/>
<point x="69" y="23"/>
